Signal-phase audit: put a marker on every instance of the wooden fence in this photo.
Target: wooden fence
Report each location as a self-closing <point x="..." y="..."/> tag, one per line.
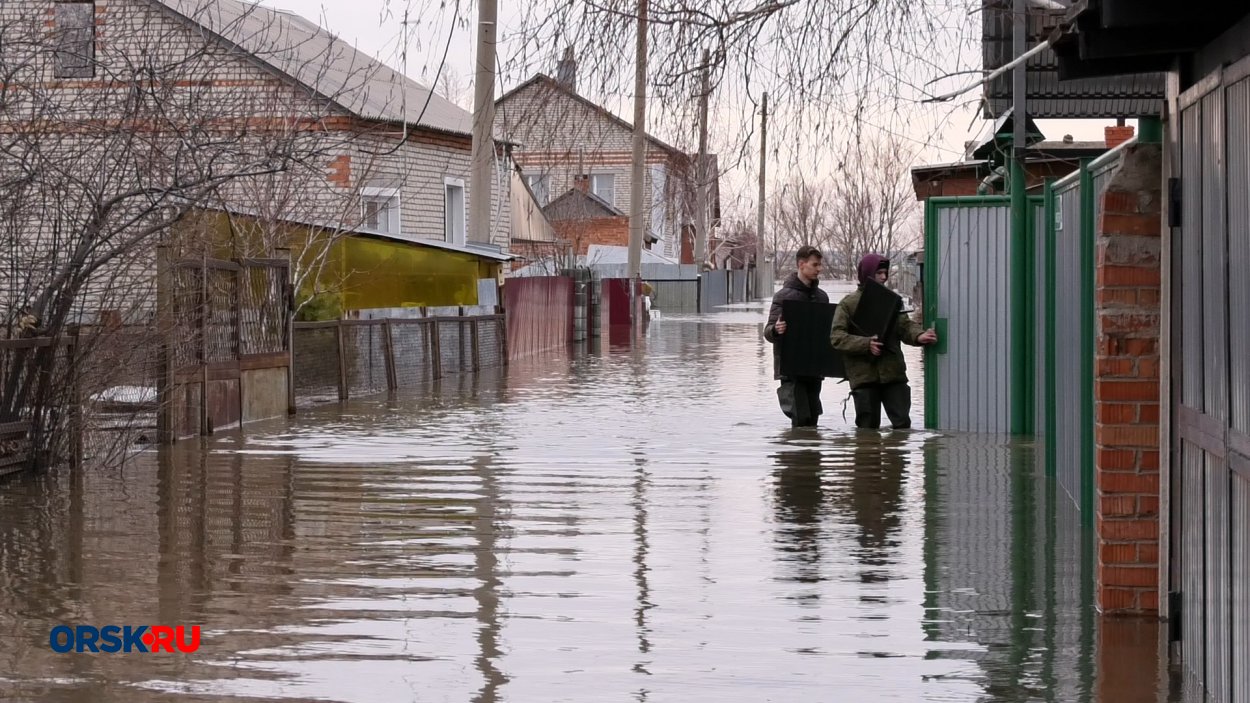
<point x="345" y="358"/>
<point x="226" y="350"/>
<point x="40" y="402"/>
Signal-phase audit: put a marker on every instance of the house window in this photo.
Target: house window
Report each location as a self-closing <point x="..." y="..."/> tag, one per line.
<point x="453" y="210"/>
<point x="74" y="24"/>
<point x="379" y="210"/>
<point x="540" y="186"/>
<point x="603" y="185"/>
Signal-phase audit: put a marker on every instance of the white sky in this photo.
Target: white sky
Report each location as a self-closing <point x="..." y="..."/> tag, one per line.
<point x="377" y="27"/>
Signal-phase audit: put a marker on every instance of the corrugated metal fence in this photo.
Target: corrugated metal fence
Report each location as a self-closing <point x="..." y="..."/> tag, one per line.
<point x="671" y="297"/>
<point x="1069" y="397"/>
<point x="540" y="312"/>
<point x="968" y="384"/>
<point x="714" y="290"/>
<point x="724" y="287"/>
<point x="971" y="383"/>
<point x="1211" y="414"/>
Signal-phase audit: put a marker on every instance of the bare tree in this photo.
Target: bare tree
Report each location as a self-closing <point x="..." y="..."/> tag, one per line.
<point x="873" y="208"/>
<point x="451" y="85"/>
<point x="733" y="246"/>
<point x="105" y="150"/>
<point x="799" y="215"/>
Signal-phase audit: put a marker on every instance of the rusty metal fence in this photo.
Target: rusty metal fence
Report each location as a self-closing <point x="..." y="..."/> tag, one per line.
<point x="345" y="358"/>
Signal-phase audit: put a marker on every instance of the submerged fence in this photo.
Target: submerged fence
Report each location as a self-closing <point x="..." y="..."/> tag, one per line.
<point x="345" y="358"/>
<point x="1015" y="320"/>
<point x="40" y="408"/>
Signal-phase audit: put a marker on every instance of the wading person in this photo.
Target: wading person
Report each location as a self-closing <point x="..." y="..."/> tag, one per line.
<point x="799" y="396"/>
<point x="875" y="367"/>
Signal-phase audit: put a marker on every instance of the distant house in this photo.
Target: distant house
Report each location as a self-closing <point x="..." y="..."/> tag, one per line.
<point x="583" y="219"/>
<point x="983" y="170"/>
<point x="565" y="143"/>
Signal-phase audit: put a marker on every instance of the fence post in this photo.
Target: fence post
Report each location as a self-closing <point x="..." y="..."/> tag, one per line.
<point x="288" y="313"/>
<point x="338" y="329"/>
<point x="477" y="359"/>
<point x="239" y="276"/>
<point x="206" y="425"/>
<point x="436" y="351"/>
<point x="460" y="337"/>
<point x="77" y="421"/>
<point x="502" y="322"/>
<point x="388" y="341"/>
<point x="165" y="433"/>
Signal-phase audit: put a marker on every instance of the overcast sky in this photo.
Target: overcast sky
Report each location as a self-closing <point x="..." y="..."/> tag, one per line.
<point x="378" y="28"/>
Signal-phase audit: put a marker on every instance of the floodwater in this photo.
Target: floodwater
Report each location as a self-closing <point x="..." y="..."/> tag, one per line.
<point x="634" y="524"/>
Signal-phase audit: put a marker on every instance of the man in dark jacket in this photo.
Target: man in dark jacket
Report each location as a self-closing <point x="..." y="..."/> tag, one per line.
<point x="875" y="368"/>
<point x="799" y="396"/>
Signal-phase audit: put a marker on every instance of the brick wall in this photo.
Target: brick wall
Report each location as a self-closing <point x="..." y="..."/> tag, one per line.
<point x="1127" y="386"/>
<point x="609" y="231"/>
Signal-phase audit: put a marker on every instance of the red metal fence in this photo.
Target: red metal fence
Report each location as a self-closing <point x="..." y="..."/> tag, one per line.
<point x="540" y="314"/>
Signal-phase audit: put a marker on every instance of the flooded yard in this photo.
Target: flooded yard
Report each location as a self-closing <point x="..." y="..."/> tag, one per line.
<point x="633" y="524"/>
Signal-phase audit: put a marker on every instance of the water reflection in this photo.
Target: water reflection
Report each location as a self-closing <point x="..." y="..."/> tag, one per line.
<point x="628" y="525"/>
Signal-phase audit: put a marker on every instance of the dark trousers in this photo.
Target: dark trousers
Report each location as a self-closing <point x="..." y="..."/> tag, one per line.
<point x="896" y="397"/>
<point x="800" y="400"/>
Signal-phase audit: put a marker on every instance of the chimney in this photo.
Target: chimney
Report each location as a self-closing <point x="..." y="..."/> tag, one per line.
<point x="1117" y="135"/>
<point x="582" y="183"/>
<point x="566" y="70"/>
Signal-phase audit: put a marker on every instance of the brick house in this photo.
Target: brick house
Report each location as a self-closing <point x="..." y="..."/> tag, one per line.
<point x="583" y="219"/>
<point x="392" y="158"/>
<point x="566" y="142"/>
<point x="1047" y="160"/>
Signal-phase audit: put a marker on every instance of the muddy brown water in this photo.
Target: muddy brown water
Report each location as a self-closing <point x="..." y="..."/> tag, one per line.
<point x="632" y="524"/>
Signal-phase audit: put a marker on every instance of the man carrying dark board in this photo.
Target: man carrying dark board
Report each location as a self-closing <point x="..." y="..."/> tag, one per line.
<point x="869" y="342"/>
<point x="799" y="395"/>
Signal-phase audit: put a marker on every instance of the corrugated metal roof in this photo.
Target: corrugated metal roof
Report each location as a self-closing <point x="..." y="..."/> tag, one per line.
<point x="311" y="55"/>
<point x="1048" y="97"/>
<point x="576" y="204"/>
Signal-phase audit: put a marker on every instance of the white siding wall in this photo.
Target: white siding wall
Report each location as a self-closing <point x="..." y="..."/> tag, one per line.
<point x="205" y="81"/>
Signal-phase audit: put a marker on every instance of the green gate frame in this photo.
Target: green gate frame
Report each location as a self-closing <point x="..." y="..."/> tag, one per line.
<point x="1080" y="182"/>
<point x="1021" y="292"/>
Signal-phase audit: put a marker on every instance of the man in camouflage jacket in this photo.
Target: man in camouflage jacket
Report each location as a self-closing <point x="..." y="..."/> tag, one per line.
<point x="875" y="368"/>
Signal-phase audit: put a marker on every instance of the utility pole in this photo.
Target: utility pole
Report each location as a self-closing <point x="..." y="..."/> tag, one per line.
<point x="763" y="281"/>
<point x="638" y="182"/>
<point x="1019" y="198"/>
<point x="701" y="172"/>
<point x="483" y="154"/>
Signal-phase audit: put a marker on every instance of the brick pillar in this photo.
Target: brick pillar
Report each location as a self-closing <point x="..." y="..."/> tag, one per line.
<point x="1117" y="135"/>
<point x="1126" y="386"/>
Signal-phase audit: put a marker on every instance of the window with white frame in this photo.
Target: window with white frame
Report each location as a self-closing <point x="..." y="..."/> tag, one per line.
<point x="379" y="210"/>
<point x="453" y="210"/>
<point x="540" y="186"/>
<point x="603" y="185"/>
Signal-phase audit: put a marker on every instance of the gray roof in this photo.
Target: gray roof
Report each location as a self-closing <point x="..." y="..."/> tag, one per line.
<point x="325" y="64"/>
<point x="1139" y="95"/>
<point x="576" y="204"/>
